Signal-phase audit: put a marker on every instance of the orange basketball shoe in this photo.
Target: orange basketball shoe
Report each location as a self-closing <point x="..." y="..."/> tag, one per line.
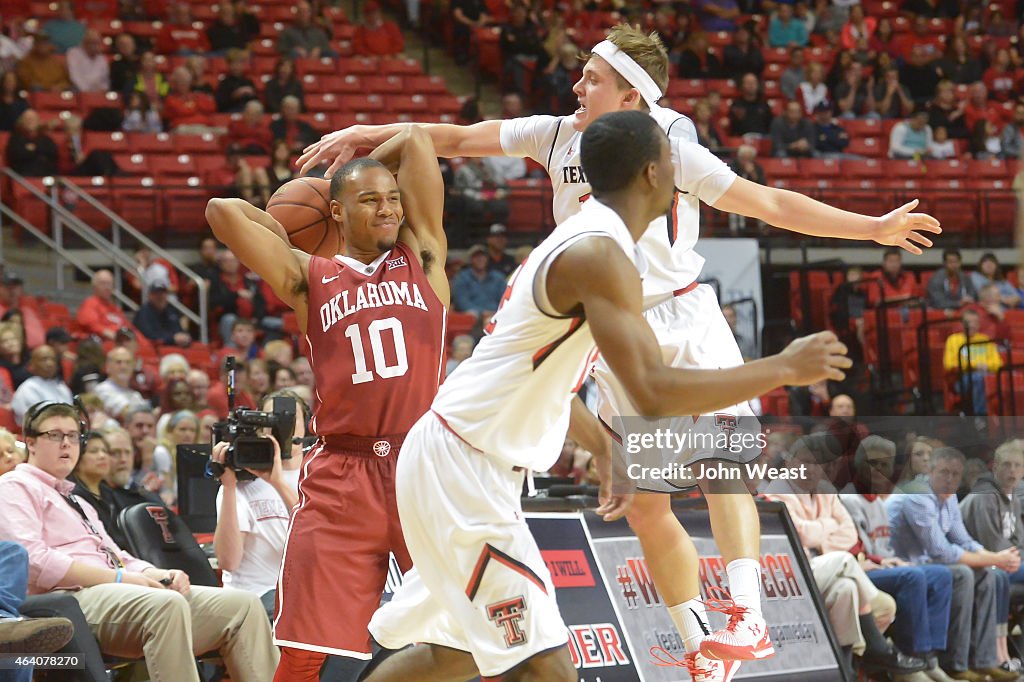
<point x="745" y="636"/>
<point x="700" y="668"/>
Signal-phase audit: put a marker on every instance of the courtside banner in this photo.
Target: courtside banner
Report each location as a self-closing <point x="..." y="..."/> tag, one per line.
<point x="596" y="638"/>
<point x="805" y="648"/>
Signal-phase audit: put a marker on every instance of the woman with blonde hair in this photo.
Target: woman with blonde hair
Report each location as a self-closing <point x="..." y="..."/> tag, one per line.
<point x="181" y="429"/>
<point x="10" y="454"/>
<point x="916" y="463"/>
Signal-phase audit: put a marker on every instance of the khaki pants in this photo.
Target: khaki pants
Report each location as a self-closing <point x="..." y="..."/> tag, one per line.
<point x="170" y="629"/>
<point x="844" y="587"/>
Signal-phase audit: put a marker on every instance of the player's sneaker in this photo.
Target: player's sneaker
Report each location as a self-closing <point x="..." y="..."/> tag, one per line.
<point x="701" y="669"/>
<point x="745" y="636"/>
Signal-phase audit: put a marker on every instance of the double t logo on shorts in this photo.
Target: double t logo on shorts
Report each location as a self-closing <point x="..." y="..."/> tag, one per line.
<point x="507" y="614"/>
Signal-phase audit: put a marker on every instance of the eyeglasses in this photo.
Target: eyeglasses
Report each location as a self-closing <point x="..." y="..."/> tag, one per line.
<point x="58" y="436"/>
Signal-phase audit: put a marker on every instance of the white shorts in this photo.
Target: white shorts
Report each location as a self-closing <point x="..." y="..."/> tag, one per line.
<point x="478" y="583"/>
<point x="692" y="333"/>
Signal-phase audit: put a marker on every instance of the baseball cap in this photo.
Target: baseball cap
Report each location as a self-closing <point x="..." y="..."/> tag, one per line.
<point x="124" y="334"/>
<point x="823" y="105"/>
<point x="58" y="335"/>
<point x="159" y="284"/>
<point x="11" y="278"/>
<point x="498" y="228"/>
<point x="475" y="249"/>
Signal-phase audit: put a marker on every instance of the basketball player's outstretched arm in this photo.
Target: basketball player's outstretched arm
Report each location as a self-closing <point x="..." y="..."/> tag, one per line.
<point x="255" y="237"/>
<point x="479" y="139"/>
<point x="613" y="307"/>
<point x="588" y="434"/>
<point x="798" y="213"/>
<point x="410" y="154"/>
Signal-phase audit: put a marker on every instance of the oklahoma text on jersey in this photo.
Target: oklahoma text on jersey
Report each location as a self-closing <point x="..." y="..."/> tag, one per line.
<point x="370" y="295"/>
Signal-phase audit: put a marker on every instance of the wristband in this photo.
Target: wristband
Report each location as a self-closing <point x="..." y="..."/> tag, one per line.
<point x="118" y="575"/>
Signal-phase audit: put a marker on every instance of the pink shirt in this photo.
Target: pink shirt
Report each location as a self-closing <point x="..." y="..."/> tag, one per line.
<point x="34" y="513"/>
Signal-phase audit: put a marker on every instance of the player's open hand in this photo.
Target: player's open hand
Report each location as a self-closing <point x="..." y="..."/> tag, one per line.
<point x="613" y="507"/>
<point x="905" y="229"/>
<point x="337" y="147"/>
<point x="815" y="358"/>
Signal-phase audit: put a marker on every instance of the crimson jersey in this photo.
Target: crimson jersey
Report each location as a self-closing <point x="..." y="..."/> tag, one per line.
<point x="376" y="339"/>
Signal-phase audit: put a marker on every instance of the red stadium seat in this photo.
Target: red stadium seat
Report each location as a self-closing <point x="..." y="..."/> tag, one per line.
<point x="779" y="168"/>
<point x="53" y="101"/>
<point x="133" y="164"/>
<point x="327" y="102"/>
<point x="862" y="127"/>
<point x="870" y="147"/>
<point x="163" y="165"/>
<point x="410" y="104"/>
<point x="445" y="104"/>
<point x="400" y="66"/>
<point x="207" y="143"/>
<point x="25" y="204"/>
<point x="185" y="207"/>
<point x="863" y="168"/>
<point x="88" y="101"/>
<point x="99" y="190"/>
<point x="529" y="206"/>
<point x="819" y="168"/>
<point x="115" y="143"/>
<point x="151" y="143"/>
<point x="137" y="201"/>
<point x="324" y="65"/>
<point x="991" y="168"/>
<point x="360" y="66"/>
<point x="951" y="168"/>
<point x="687" y="87"/>
<point x="363" y="103"/>
<point x="385" y="85"/>
<point x="910" y="170"/>
<point x="426" y="85"/>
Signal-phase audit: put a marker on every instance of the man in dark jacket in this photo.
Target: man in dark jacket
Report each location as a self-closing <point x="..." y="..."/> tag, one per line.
<point x="158" y="321"/>
<point x="992" y="512"/>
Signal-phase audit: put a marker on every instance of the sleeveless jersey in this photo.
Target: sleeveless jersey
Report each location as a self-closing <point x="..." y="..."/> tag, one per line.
<point x="510" y="398"/>
<point x="376" y="341"/>
<point x="670" y="263"/>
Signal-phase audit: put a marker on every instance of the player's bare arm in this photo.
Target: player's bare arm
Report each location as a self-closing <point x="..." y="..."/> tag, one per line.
<point x="479" y="139"/>
<point x="613" y="305"/>
<point x="411" y="155"/>
<point x="588" y="434"/>
<point x="255" y="237"/>
<point x="798" y="213"/>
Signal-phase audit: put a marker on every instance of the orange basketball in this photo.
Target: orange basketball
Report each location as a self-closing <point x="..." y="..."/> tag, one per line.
<point x="303" y="207"/>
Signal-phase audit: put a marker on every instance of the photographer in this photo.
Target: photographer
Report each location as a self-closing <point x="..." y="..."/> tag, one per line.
<point x="252" y="514"/>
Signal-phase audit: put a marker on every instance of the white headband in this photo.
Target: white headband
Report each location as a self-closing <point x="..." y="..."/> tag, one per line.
<point x="630" y="70"/>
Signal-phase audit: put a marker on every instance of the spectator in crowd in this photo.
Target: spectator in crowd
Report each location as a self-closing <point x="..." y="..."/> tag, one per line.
<point x="60" y="340"/>
<point x="794" y="74"/>
<point x="792" y="133"/>
<point x="497" y="250"/>
<point x="462" y="348"/>
<point x="920" y="75"/>
<point x="813" y="91"/>
<point x="41" y="69"/>
<point x="198" y="65"/>
<point x="991" y="272"/>
<point x="290" y="128"/>
<point x="923" y="593"/>
<point x="749" y="113"/>
<point x="746" y="343"/>
<point x="916" y="466"/>
<point x="521" y="49"/>
<point x="70" y="549"/>
<point x="477" y="289"/>
<point x="88" y="69"/>
<point x="258" y="379"/>
<point x="87" y="370"/>
<point x="992" y="511"/>
<point x="140" y="116"/>
<point x="1010" y="142"/>
<point x="118" y="397"/>
<point x="742" y="55"/>
<point x="927" y="528"/>
<point x="920" y="36"/>
<point x="707" y="134"/>
<point x="236" y="89"/>
<point x="303" y="372"/>
<point x="176" y="396"/>
<point x="857" y="27"/>
<point x="15" y="42"/>
<point x="970" y="357"/>
<point x="74" y="158"/>
<point x="234" y="295"/>
<point x="892" y="99"/>
<point x="158" y="320"/>
<point x="199" y="383"/>
<point x="1000" y="77"/>
<point x="250" y="133"/>
<point x="279" y="351"/>
<point x="895" y="283"/>
<point x="227" y="32"/>
<point x="949" y="288"/>
<point x="12" y="104"/>
<point x="985" y="141"/>
<point x="911" y="138"/>
<point x="65" y="31"/>
<point x="283" y="377"/>
<point x="99" y="314"/>
<point x="283" y="83"/>
<point x="478" y="198"/>
<point x="947" y="111"/>
<point x="855" y="94"/>
<point x="140" y="423"/>
<point x="281" y="169"/>
<point x="180" y="35"/>
<point x="10" y="454"/>
<point x="467" y="15"/>
<point x="958" y="64"/>
<point x="303" y="37"/>
<point x="717" y="15"/>
<point x="13" y="356"/>
<point x="186" y="110"/>
<point x="44" y="385"/>
<point x="253" y="513"/>
<point x="830" y="139"/>
<point x="562" y="72"/>
<point x="208" y="267"/>
<point x="12" y="297"/>
<point x="979" y="108"/>
<point x="859" y="611"/>
<point x="697" y="60"/>
<point x="149" y="81"/>
<point x="124" y="62"/>
<point x="784" y="30"/>
<point x="991" y="313"/>
<point x="181" y="428"/>
<point x="26" y="636"/>
<point x="377" y="36"/>
<point x="746" y="166"/>
<point x="242" y="340"/>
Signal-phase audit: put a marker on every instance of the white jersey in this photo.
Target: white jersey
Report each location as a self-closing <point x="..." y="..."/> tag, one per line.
<point x="510" y="399"/>
<point x="667" y="246"/>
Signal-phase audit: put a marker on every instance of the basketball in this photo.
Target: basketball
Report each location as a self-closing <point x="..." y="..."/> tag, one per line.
<point x="303" y="207"/>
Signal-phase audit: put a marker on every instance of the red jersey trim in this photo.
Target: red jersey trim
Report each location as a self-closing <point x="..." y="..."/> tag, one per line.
<point x="545" y="352"/>
<point x="490" y="552"/>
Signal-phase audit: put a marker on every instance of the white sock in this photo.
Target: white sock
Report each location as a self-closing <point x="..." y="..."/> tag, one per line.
<point x="691" y="620"/>
<point x="745" y="583"/>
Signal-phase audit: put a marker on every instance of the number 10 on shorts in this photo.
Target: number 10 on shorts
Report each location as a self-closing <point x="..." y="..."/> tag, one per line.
<point x="380" y="362"/>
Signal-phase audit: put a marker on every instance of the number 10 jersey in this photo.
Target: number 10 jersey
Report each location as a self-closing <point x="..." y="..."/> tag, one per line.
<point x="376" y="343"/>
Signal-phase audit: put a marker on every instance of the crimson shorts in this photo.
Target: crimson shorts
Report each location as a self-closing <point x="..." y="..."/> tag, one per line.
<point x="339" y="539"/>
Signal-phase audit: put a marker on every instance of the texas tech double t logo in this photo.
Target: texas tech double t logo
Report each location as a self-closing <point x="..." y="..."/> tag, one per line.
<point x="507" y="614"/>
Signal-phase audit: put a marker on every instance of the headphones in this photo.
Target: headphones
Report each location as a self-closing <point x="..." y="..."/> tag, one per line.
<point x="34" y="412"/>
